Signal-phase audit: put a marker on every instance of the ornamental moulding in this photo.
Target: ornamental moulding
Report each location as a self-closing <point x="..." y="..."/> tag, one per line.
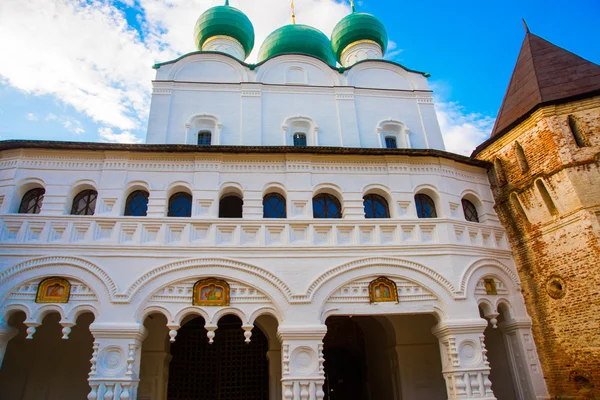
<point x="486" y="262"/>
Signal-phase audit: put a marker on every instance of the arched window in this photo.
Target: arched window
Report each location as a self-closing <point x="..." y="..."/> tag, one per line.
<point x="522" y="160"/>
<point x="299" y="140"/>
<point x="136" y="204"/>
<point x="31" y="203"/>
<point x="578" y="134"/>
<point x="376" y="206"/>
<point x="326" y="206"/>
<point x="180" y="205"/>
<point x="390" y="142"/>
<point x="470" y="211"/>
<point x="274" y="206"/>
<point x="425" y="206"/>
<point x="231" y="207"/>
<point x="204" y="138"/>
<point x="84" y="203"/>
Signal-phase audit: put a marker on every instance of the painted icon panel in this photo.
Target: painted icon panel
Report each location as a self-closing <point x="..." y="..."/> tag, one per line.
<point x="383" y="290"/>
<point x="53" y="290"/>
<point x="211" y="292"/>
<point x="490" y="286"/>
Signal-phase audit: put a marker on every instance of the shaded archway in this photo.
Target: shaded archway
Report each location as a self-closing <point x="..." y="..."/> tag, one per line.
<point x="47" y="367"/>
<point x="382" y="357"/>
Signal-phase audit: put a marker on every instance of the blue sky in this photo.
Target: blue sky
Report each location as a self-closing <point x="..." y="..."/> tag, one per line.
<point x="81" y="69"/>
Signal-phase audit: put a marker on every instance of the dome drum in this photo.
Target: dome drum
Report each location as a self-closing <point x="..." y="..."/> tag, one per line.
<point x="359" y="51"/>
<point x="225" y="44"/>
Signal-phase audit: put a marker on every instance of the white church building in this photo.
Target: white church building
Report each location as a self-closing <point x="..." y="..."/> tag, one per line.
<point x="292" y="230"/>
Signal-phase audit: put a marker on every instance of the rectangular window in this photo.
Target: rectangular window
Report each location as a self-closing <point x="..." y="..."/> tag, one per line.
<point x="299" y="140"/>
<point x="204" y="139"/>
<point x="390" y="142"/>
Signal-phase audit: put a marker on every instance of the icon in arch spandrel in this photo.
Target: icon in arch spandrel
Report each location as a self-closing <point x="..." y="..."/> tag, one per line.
<point x="383" y="290"/>
<point x="211" y="292"/>
<point x="53" y="290"/>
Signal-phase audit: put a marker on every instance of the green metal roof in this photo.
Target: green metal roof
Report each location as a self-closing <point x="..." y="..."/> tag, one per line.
<point x="355" y="27"/>
<point x="227" y="21"/>
<point x="297" y="39"/>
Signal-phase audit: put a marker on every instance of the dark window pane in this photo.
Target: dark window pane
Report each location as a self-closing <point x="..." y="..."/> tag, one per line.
<point x="326" y="206"/>
<point x="470" y="211"/>
<point x="376" y="206"/>
<point x="299" y="140"/>
<point x="180" y="205"/>
<point x="231" y="207"/>
<point x="137" y="204"/>
<point x="84" y="203"/>
<point x="425" y="206"/>
<point x="204" y="139"/>
<point x="274" y="206"/>
<point x="31" y="203"/>
<point x="390" y="142"/>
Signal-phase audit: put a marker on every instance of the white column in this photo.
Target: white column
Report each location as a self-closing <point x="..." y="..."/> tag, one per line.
<point x="115" y="361"/>
<point x="465" y="366"/>
<point x="274" y="357"/>
<point x="522" y="354"/>
<point x="303" y="373"/>
<point x="6" y="334"/>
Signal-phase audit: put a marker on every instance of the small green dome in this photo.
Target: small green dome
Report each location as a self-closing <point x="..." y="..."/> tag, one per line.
<point x="226" y="21"/>
<point x="356" y="27"/>
<point x="297" y="39"/>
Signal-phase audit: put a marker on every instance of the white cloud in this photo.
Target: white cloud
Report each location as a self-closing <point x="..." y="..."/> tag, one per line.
<point x="32" y="117"/>
<point x="107" y="135"/>
<point x="462" y="131"/>
<point x="51" y="117"/>
<point x="392" y="50"/>
<point x="85" y="53"/>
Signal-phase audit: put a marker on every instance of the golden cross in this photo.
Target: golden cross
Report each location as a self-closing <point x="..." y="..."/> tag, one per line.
<point x="352" y="4"/>
<point x="293" y="13"/>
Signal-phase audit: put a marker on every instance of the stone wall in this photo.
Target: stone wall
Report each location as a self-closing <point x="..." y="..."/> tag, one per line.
<point x="555" y="236"/>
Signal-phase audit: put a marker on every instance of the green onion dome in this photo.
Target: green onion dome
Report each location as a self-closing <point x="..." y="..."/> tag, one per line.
<point x="297" y="39"/>
<point x="357" y="27"/>
<point x="225" y="21"/>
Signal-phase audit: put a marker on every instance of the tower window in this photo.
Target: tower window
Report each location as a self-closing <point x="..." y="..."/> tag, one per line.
<point x="578" y="134"/>
<point x="299" y="140"/>
<point x="31" y="203"/>
<point x="521" y="159"/>
<point x="376" y="206"/>
<point x="137" y="204"/>
<point x="231" y="207"/>
<point x="274" y="206"/>
<point x="204" y="138"/>
<point x="425" y="206"/>
<point x="326" y="206"/>
<point x="180" y="205"/>
<point x="470" y="211"/>
<point x="84" y="203"/>
<point x="546" y="197"/>
<point x="501" y="178"/>
<point x="391" y="142"/>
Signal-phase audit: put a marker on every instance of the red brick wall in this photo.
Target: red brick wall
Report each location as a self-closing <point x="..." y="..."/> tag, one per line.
<point x="562" y="248"/>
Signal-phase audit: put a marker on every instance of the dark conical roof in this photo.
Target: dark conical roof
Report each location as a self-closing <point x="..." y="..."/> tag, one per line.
<point x="544" y="74"/>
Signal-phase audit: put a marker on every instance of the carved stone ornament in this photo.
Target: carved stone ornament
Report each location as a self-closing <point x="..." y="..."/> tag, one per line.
<point x="490" y="286"/>
<point x="53" y="290"/>
<point x="211" y="292"/>
<point x="556" y="287"/>
<point x="383" y="290"/>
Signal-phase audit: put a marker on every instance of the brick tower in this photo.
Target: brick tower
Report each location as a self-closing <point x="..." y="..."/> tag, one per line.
<point x="545" y="149"/>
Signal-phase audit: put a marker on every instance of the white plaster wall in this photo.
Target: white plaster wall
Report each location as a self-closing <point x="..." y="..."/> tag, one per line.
<point x="252" y="105"/>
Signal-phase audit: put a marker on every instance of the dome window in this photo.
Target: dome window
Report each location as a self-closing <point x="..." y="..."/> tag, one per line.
<point x="231" y="207"/>
<point x="326" y="206"/>
<point x="425" y="206"/>
<point x="180" y="205"/>
<point x="137" y="204"/>
<point x="84" y="203"/>
<point x="31" y="203"/>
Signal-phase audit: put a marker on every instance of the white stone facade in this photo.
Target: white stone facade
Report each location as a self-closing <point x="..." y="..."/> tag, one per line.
<point x="242" y="106"/>
<point x="287" y="276"/>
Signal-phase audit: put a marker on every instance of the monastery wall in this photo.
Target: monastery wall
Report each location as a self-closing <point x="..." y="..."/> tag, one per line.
<point x="550" y="207"/>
